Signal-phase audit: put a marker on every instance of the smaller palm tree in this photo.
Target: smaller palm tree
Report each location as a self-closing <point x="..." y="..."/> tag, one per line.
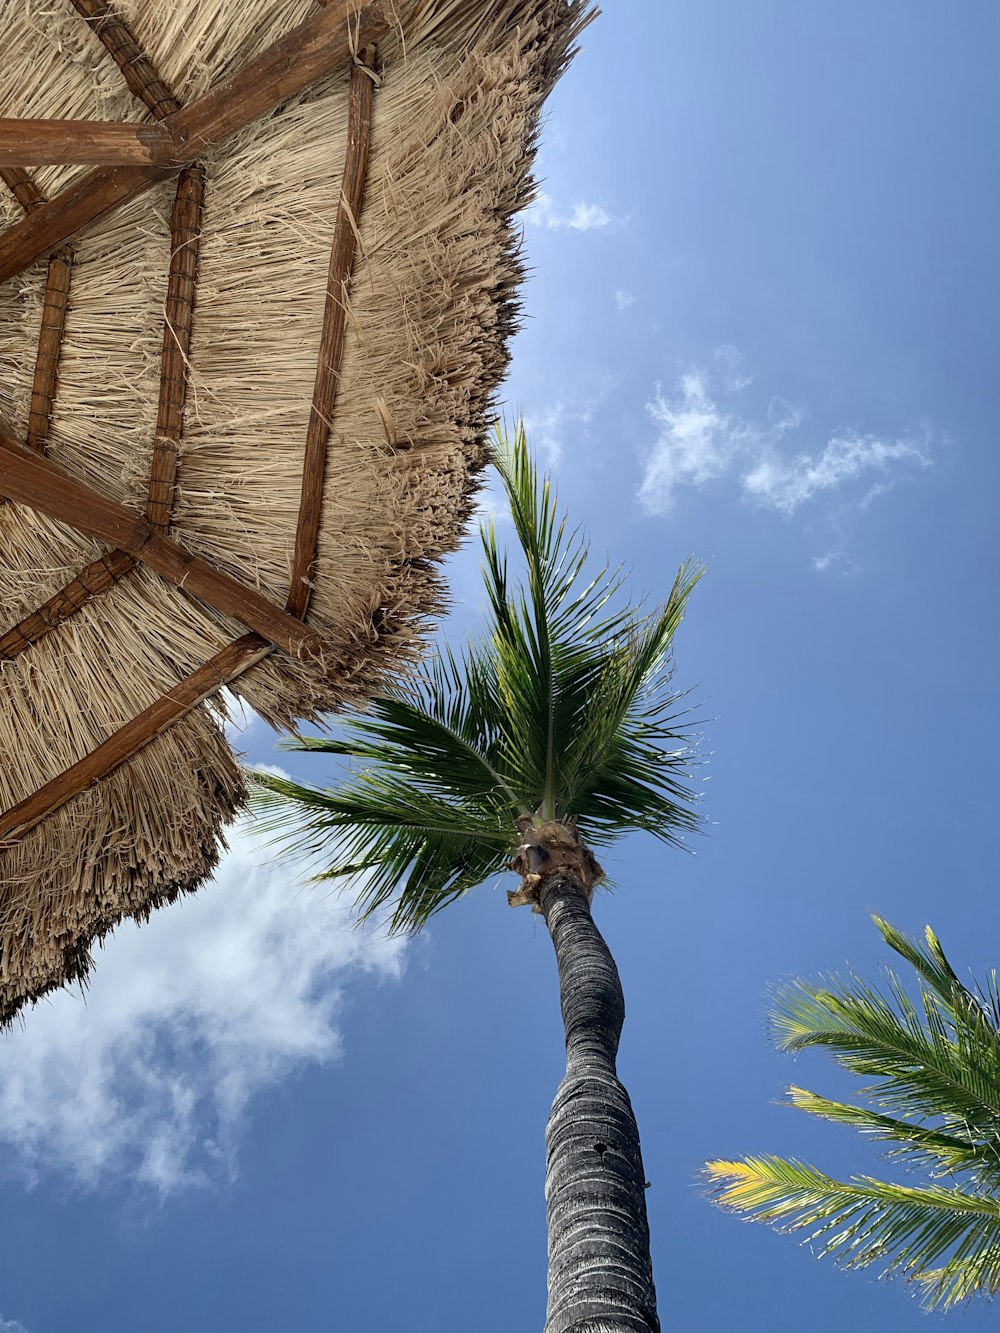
<point x="557" y="730"/>
<point x="935" y="1062"/>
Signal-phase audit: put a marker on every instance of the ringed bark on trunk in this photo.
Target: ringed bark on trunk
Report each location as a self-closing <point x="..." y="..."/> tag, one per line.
<point x="600" y="1272"/>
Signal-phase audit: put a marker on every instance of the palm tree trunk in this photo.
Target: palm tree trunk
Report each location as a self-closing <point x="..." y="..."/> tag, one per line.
<point x="600" y="1270"/>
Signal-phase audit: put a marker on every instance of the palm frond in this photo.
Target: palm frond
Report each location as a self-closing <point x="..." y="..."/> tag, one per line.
<point x="927" y="960"/>
<point x="409" y="849"/>
<point x="548" y="639"/>
<point x="629" y="758"/>
<point x="573" y="667"/>
<point x="934" y="1107"/>
<point x="865" y="1221"/>
<point x="924" y="1065"/>
<point x="938" y="1152"/>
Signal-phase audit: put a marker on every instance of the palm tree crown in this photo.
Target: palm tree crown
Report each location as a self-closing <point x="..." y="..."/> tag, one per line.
<point x="562" y="710"/>
<point x="935" y="1099"/>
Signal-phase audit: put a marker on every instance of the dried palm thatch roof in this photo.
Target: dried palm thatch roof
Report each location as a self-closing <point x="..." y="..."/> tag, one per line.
<point x="249" y="333"/>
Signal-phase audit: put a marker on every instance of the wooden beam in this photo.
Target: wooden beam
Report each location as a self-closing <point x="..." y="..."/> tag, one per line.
<point x="331" y="348"/>
<point x="23" y="188"/>
<point x="50" y="336"/>
<point x="30" y="143"/>
<point x="142" y="79"/>
<point x="185" y="243"/>
<point x="33" y="481"/>
<point x="74" y="209"/>
<point x="307" y="53"/>
<point x="128" y="740"/>
<point x="94" y="579"/>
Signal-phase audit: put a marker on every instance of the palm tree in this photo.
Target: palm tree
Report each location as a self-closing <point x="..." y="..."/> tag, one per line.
<point x="555" y="732"/>
<point x="935" y="1098"/>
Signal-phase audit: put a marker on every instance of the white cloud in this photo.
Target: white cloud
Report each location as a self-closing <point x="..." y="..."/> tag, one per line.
<point x="697" y="441"/>
<point x="582" y="217"/>
<point x="702" y="438"/>
<point x="624" y="299"/>
<point x="188" y="1018"/>
<point x="786" y="484"/>
<point x="11" y="1326"/>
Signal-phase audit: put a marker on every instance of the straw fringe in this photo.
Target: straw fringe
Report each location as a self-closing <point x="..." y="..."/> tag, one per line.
<point x="431" y="305"/>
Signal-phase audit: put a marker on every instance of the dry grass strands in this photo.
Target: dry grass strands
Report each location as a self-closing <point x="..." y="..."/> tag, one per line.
<point x="100" y="655"/>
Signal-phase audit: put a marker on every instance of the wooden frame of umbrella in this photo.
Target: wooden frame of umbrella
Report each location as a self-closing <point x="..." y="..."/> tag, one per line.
<point x="130" y="159"/>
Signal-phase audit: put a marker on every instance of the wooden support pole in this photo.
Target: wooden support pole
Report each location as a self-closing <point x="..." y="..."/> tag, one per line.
<point x="308" y="52"/>
<point x="185" y="244"/>
<point x="29" y="143"/>
<point x="23" y="188"/>
<point x="81" y="204"/>
<point x="142" y="79"/>
<point x="50" y="336"/>
<point x="33" y="481"/>
<point x="55" y="303"/>
<point x="331" y="348"/>
<point x="128" y="740"/>
<point x="94" y="579"/>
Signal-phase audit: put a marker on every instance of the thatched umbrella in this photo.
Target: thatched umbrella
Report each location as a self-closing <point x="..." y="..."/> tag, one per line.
<point x="253" y="308"/>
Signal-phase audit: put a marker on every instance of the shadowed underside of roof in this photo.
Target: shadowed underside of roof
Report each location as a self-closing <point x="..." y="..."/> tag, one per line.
<point x="242" y="413"/>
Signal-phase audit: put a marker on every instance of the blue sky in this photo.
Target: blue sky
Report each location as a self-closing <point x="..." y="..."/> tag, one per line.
<point x="761" y="330"/>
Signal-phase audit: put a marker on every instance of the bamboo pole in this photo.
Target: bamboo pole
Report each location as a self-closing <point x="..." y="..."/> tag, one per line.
<point x="23" y="188"/>
<point x="55" y="303"/>
<point x="185" y="243"/>
<point x="50" y="336"/>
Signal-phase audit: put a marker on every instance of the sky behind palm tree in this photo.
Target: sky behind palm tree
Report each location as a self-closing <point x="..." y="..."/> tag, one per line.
<point x="761" y="332"/>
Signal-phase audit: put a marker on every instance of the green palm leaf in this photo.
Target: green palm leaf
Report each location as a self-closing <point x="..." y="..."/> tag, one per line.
<point x="937" y="1152"/>
<point x="865" y="1221"/>
<point x="562" y="707"/>
<point x="935" y="1103"/>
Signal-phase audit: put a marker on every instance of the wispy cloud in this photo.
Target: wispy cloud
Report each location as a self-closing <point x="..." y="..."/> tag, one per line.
<point x="785" y="484"/>
<point x="730" y="369"/>
<point x="702" y="438"/>
<point x="548" y="427"/>
<point x="582" y="216"/>
<point x="11" y="1326"/>
<point x="624" y="299"/>
<point x="187" y="1019"/>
